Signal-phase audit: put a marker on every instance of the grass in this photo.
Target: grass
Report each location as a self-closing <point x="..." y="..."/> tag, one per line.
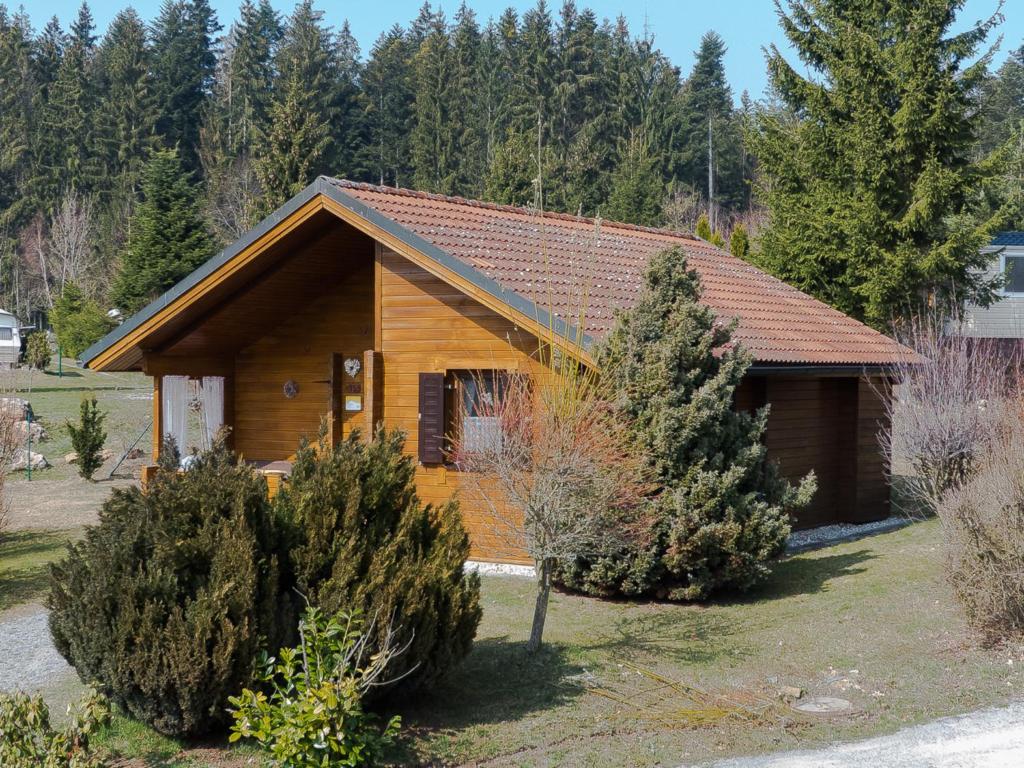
<point x="125" y="397"/>
<point x="871" y="621"/>
<point x="24" y="557"/>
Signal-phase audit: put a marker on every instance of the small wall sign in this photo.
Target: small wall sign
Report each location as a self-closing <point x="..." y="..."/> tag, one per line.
<point x="353" y="402"/>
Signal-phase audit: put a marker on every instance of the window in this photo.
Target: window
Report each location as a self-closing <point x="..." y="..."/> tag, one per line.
<point x="474" y="397"/>
<point x="1013" y="268"/>
<point x="6" y="334"/>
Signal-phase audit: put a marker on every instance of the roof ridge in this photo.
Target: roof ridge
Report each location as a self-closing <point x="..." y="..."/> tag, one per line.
<point x="524" y="210"/>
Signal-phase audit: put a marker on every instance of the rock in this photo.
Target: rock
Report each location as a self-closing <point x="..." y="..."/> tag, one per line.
<point x="134" y="453"/>
<point x="790" y="692"/>
<point x="22" y="429"/>
<point x="71" y="458"/>
<point x="23" y="458"/>
<point x="16" y="406"/>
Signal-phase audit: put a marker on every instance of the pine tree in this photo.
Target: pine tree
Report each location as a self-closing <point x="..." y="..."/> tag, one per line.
<point x="168" y="239"/>
<point x="387" y="84"/>
<point x="125" y="115"/>
<point x="1002" y="103"/>
<point x="350" y="129"/>
<point x="636" y="189"/>
<point x="433" y="135"/>
<point x="867" y="175"/>
<point x="469" y="142"/>
<point x="184" y="63"/>
<point x="723" y="511"/>
<point x="69" y="113"/>
<point x="709" y="156"/>
<point x="297" y="145"/>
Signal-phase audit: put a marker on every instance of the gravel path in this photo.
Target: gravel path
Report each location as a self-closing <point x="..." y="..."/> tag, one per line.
<point x="29" y="662"/>
<point x="992" y="738"/>
<point x="826" y="535"/>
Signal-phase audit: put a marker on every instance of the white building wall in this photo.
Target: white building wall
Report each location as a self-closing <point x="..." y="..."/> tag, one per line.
<point x="1004" y="319"/>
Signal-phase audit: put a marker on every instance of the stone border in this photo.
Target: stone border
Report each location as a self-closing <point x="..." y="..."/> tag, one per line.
<point x="499" y="569"/>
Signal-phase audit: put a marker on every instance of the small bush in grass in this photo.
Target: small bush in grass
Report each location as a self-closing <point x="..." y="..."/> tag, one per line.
<point x="28" y="740"/>
<point x="168" y="600"/>
<point x="37" y="351"/>
<point x="88" y="437"/>
<point x="314" y="715"/>
<point x="362" y="541"/>
<point x="983" y="523"/>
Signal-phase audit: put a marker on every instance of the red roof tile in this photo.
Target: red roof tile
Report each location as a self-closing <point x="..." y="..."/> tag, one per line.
<point x="567" y="263"/>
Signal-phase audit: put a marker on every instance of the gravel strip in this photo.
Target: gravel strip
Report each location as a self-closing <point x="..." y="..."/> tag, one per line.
<point x="30" y="663"/>
<point x="826" y="535"/>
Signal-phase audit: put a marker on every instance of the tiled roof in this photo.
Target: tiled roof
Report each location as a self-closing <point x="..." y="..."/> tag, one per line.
<point x="550" y="259"/>
<point x="1008" y="238"/>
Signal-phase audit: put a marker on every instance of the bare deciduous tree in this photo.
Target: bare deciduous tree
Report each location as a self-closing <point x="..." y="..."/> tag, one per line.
<point x="70" y="243"/>
<point x="554" y="465"/>
<point x="949" y="406"/>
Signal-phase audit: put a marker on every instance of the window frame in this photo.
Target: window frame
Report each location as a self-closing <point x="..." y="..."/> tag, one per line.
<point x="1003" y="256"/>
<point x="454" y="392"/>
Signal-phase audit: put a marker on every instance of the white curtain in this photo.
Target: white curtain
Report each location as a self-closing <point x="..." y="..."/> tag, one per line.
<point x="211" y="401"/>
<point x="174" y="391"/>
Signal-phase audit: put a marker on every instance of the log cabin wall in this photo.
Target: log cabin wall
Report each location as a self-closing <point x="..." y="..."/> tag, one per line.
<point x="299" y="348"/>
<point x="829" y="425"/>
<point x="427" y="326"/>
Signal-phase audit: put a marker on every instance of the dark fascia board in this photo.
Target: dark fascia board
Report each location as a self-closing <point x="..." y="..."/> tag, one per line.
<point x="802" y="369"/>
<point x="326" y="187"/>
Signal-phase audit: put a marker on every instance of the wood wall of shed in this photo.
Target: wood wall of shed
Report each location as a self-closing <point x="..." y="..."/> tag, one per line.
<point x="829" y="425"/>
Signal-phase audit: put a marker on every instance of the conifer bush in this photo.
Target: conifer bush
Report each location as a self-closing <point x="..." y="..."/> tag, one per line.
<point x="362" y="541"/>
<point x="723" y="509"/>
<point x="168" y="601"/>
<point x="87" y="437"/>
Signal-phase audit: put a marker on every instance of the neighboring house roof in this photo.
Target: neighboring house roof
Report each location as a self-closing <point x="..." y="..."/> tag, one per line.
<point x="532" y="263"/>
<point x="1008" y="238"/>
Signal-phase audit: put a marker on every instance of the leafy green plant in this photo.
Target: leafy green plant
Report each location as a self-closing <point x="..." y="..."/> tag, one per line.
<point x="28" y="740"/>
<point x="88" y="437"/>
<point x="361" y="540"/>
<point x="169" y="600"/>
<point x="37" y="351"/>
<point x="314" y="714"/>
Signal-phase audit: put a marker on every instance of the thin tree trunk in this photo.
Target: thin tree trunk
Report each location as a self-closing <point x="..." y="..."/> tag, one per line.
<point x="540" y="611"/>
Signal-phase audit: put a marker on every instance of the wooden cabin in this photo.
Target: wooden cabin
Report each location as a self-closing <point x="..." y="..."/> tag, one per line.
<point x="367" y="304"/>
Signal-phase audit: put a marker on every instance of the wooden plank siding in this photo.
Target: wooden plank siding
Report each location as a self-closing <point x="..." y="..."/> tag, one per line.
<point x="829" y="425"/>
<point x="427" y="326"/>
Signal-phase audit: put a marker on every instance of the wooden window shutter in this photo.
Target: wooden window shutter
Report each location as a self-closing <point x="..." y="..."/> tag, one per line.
<point x="431" y="423"/>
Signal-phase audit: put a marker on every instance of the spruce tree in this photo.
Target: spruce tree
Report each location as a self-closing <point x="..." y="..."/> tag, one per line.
<point x="867" y="174"/>
<point x="15" y="132"/>
<point x="168" y="239"/>
<point x="296" y="146"/>
<point x="433" y="133"/>
<point x="184" y="61"/>
<point x="78" y="320"/>
<point x="636" y="189"/>
<point x="88" y="437"/>
<point x="1002" y="103"/>
<point x="350" y="130"/>
<point x="387" y="85"/>
<point x="469" y="142"/>
<point x="722" y="513"/>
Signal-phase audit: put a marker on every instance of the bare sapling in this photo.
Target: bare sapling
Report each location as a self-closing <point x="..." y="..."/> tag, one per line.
<point x="950" y="404"/>
<point x="553" y="464"/>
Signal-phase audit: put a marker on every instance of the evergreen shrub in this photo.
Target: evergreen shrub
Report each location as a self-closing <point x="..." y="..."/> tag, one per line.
<point x="723" y="509"/>
<point x="167" y="602"/>
<point x="37" y="351"/>
<point x="362" y="541"/>
<point x="88" y="437"/>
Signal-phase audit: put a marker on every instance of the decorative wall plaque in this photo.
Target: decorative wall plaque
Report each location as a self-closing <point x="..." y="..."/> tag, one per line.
<point x="353" y="366"/>
<point x="291" y="389"/>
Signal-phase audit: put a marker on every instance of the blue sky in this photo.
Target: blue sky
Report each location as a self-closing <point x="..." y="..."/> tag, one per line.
<point x="746" y="25"/>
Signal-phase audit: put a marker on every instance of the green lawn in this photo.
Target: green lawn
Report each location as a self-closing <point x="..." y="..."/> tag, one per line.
<point x="125" y="397"/>
<point x="24" y="556"/>
<point x="871" y="621"/>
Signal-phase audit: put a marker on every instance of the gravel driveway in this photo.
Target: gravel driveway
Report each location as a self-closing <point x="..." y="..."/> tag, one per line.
<point x="992" y="738"/>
